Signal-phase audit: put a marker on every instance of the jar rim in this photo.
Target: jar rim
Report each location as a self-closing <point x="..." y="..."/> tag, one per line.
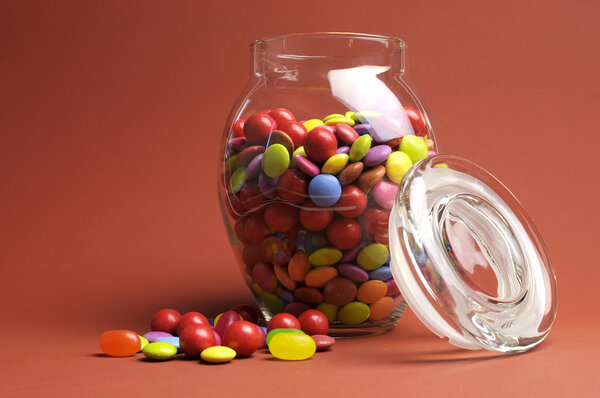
<point x="394" y="45"/>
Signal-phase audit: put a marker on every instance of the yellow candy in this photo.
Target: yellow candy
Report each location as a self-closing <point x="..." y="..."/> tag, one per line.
<point x="333" y="115"/>
<point x="292" y="346"/>
<point x="238" y="179"/>
<point x="325" y="256"/>
<point x="312" y="123"/>
<point x="335" y="164"/>
<point x="365" y="116"/>
<point x="397" y="165"/>
<point x="441" y="166"/>
<point x="143" y="342"/>
<point x="330" y="311"/>
<point x="372" y="256"/>
<point x="258" y="290"/>
<point x="217" y="354"/>
<point x="353" y="313"/>
<point x="336" y="120"/>
<point x="349" y="115"/>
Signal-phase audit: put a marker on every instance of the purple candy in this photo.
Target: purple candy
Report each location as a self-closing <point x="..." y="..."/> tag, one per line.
<point x="153" y="336"/>
<point x="384" y="193"/>
<point x="286" y="296"/>
<point x="254" y="167"/>
<point x="353" y="272"/>
<point x="363" y="129"/>
<point x="268" y="185"/>
<point x="296" y="308"/>
<point x="305" y="165"/>
<point x="376" y="155"/>
<point x="237" y="143"/>
<point x="217" y="337"/>
<point x="350" y="254"/>
<point x="343" y="149"/>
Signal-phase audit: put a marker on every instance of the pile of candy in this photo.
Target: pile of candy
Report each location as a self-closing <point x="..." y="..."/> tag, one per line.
<point x="230" y="334"/>
<point x="311" y="201"/>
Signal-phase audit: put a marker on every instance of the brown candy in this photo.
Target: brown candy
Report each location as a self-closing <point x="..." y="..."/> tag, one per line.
<point x="309" y="295"/>
<point x="279" y="137"/>
<point x="340" y="291"/>
<point x="370" y="177"/>
<point x="351" y="173"/>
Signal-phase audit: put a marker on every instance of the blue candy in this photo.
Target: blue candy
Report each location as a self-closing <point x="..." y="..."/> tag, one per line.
<point x="324" y="190"/>
<point x="383" y="273"/>
<point x="171" y="340"/>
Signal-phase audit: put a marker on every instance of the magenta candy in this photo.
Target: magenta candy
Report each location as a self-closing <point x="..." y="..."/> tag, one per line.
<point x="305" y="165"/>
<point x="296" y="308"/>
<point x="249" y="153"/>
<point x="350" y="255"/>
<point x="264" y="276"/>
<point x="323" y="341"/>
<point x="153" y="336"/>
<point x="254" y="167"/>
<point x="392" y="288"/>
<point x="384" y="193"/>
<point x="225" y="321"/>
<point x="353" y="272"/>
<point x="377" y="155"/>
<point x="217" y="337"/>
<point x="343" y="149"/>
<point x="237" y="143"/>
<point x="263" y="336"/>
<point x="268" y="186"/>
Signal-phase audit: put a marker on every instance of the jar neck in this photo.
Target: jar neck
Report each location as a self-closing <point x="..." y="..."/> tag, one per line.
<point x="314" y="59"/>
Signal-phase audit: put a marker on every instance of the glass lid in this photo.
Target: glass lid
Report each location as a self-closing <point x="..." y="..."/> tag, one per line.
<point x="469" y="260"/>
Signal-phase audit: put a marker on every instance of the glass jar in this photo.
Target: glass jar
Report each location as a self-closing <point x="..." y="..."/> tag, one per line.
<point x="309" y="166"/>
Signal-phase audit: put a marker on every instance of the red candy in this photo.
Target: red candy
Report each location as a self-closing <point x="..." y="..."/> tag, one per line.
<point x="323" y="342"/>
<point x="375" y="221"/>
<point x="238" y="128"/>
<point x="313" y="322"/>
<point x="280" y="217"/>
<point x="196" y="338"/>
<point x="276" y="251"/>
<point x="165" y="320"/>
<point x="344" y="233"/>
<point x="120" y="343"/>
<point x="226" y="320"/>
<point x="320" y="144"/>
<point x="283" y="321"/>
<point x="293" y="186"/>
<point x="352" y="203"/>
<point x="296" y="131"/>
<point x="238" y="229"/>
<point x="417" y="120"/>
<point x="190" y="318"/>
<point x="345" y="133"/>
<point x="251" y="197"/>
<point x="247" y="312"/>
<point x="282" y="116"/>
<point x="258" y="127"/>
<point x="313" y="217"/>
<point x="249" y="153"/>
<point x="243" y="338"/>
<point x="255" y="228"/>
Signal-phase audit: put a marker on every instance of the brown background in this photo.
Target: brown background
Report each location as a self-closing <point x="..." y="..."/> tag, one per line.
<point x="110" y="113"/>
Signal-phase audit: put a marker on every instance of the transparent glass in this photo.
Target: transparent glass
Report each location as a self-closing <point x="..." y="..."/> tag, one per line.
<point x="303" y="240"/>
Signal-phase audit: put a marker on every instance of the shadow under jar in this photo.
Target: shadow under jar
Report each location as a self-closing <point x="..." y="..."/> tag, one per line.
<point x="309" y="167"/>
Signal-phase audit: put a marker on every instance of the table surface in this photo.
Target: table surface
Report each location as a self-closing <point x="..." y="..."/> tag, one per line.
<point x="109" y="115"/>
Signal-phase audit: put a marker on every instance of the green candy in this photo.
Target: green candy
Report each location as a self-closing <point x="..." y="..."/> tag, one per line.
<point x="414" y="147"/>
<point x="325" y="256"/>
<point x="275" y="160"/>
<point x="231" y="163"/>
<point x="372" y="256"/>
<point x="277" y="331"/>
<point x="360" y="147"/>
<point x="330" y="311"/>
<point x="238" y="178"/>
<point x="353" y="313"/>
<point x="160" y="351"/>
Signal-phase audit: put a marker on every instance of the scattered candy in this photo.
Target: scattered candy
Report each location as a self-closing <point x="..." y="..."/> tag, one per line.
<point x="121" y="343"/>
<point x="243" y="338"/>
<point x="283" y="321"/>
<point x="314" y="322"/>
<point x="143" y="342"/>
<point x="292" y="346"/>
<point x="323" y="342"/>
<point x="190" y="318"/>
<point x="274" y="332"/>
<point x="165" y="320"/>
<point x="196" y="338"/>
<point x="153" y="336"/>
<point x="174" y="341"/>
<point x="217" y="354"/>
<point x="160" y="351"/>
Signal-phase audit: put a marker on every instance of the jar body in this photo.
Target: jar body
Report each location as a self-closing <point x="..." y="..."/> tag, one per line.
<point x="309" y="165"/>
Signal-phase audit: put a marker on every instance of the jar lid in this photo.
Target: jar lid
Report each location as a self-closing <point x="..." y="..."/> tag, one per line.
<point x="469" y="260"/>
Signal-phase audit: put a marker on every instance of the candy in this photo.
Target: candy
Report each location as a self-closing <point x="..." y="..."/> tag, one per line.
<point x="283" y="321"/>
<point x="414" y="147"/>
<point x="190" y="318"/>
<point x="237" y="143"/>
<point x="417" y="120"/>
<point x="120" y="343"/>
<point x="153" y="336"/>
<point x="160" y="351"/>
<point x="372" y="256"/>
<point x="281" y="217"/>
<point x="324" y="190"/>
<point x="282" y="116"/>
<point x="247" y="312"/>
<point x="370" y="178"/>
<point x="251" y="254"/>
<point x="284" y="278"/>
<point x="243" y="338"/>
<point x="275" y="160"/>
<point x="371" y="291"/>
<point x="225" y="320"/>
<point x="273" y="302"/>
<point x="174" y="341"/>
<point x="345" y="133"/>
<point x="376" y="155"/>
<point x="165" y="320"/>
<point x="296" y="308"/>
<point x="314" y="322"/>
<point x="332" y="116"/>
<point x="323" y="342"/>
<point x="231" y="163"/>
<point x="353" y="201"/>
<point x="306" y="166"/>
<point x="350" y="173"/>
<point x="292" y="346"/>
<point x="309" y="295"/>
<point x="280" y="137"/>
<point x="360" y="148"/>
<point x="309" y="241"/>
<point x="313" y="217"/>
<point x="255" y="228"/>
<point x="384" y="193"/>
<point x="330" y="311"/>
<point x="217" y="354"/>
<point x="296" y="131"/>
<point x="362" y="129"/>
<point x="325" y="256"/>
<point x="276" y="250"/>
<point x="258" y="127"/>
<point x="312" y="123"/>
<point x="375" y="221"/>
<point x="340" y="291"/>
<point x="263" y="335"/>
<point x="365" y="116"/>
<point x="397" y="165"/>
<point x="293" y="187"/>
<point x="344" y="233"/>
<point x="275" y="332"/>
<point x="353" y="313"/>
<point x="238" y="178"/>
<point x="143" y="342"/>
<point x="238" y="128"/>
<point x="320" y="276"/>
<point x="299" y="266"/>
<point x="264" y="276"/>
<point x="320" y="144"/>
<point x="392" y="288"/>
<point x="251" y="197"/>
<point x="337" y="120"/>
<point x="248" y="154"/>
<point x="196" y="338"/>
<point x="298" y="151"/>
<point x="342" y="149"/>
<point x="353" y="272"/>
<point x="381" y="308"/>
<point x="350" y="255"/>
<point x="335" y="164"/>
<point x="382" y="273"/>
<point x="268" y="185"/>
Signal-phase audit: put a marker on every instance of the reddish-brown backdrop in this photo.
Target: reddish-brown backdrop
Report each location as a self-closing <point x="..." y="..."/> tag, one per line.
<point x="110" y="113"/>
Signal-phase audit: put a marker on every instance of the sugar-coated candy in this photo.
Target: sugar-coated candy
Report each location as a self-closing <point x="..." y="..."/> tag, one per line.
<point x="353" y="313"/>
<point x="296" y="131"/>
<point x="160" y="351"/>
<point x="353" y="201"/>
<point x="320" y="276"/>
<point x="360" y="148"/>
<point x="371" y="291"/>
<point x="143" y="342"/>
<point x="313" y="217"/>
<point x="174" y="341"/>
<point x="217" y="354"/>
<point x="312" y="123"/>
<point x="335" y="164"/>
<point x="324" y="190"/>
<point x="376" y="155"/>
<point x="320" y="144"/>
<point x="280" y="137"/>
<point x="397" y="165"/>
<point x="282" y="116"/>
<point x="414" y="147"/>
<point x="384" y="193"/>
<point x="323" y="342"/>
<point x="275" y="160"/>
<point x="340" y="291"/>
<point x="153" y="336"/>
<point x="344" y="233"/>
<point x="325" y="256"/>
<point x="350" y="173"/>
<point x="314" y="322"/>
<point x="382" y="273"/>
<point x="292" y="346"/>
<point x="258" y="127"/>
<point x="243" y="338"/>
<point x="353" y="272"/>
<point x="381" y="308"/>
<point x="306" y="166"/>
<point x="330" y="310"/>
<point x="372" y="256"/>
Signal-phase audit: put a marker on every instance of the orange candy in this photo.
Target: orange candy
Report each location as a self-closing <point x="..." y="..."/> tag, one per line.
<point x="120" y="343"/>
<point x="319" y="277"/>
<point x="371" y="291"/>
<point x="284" y="278"/>
<point x="309" y="295"/>
<point x="381" y="308"/>
<point x="299" y="266"/>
